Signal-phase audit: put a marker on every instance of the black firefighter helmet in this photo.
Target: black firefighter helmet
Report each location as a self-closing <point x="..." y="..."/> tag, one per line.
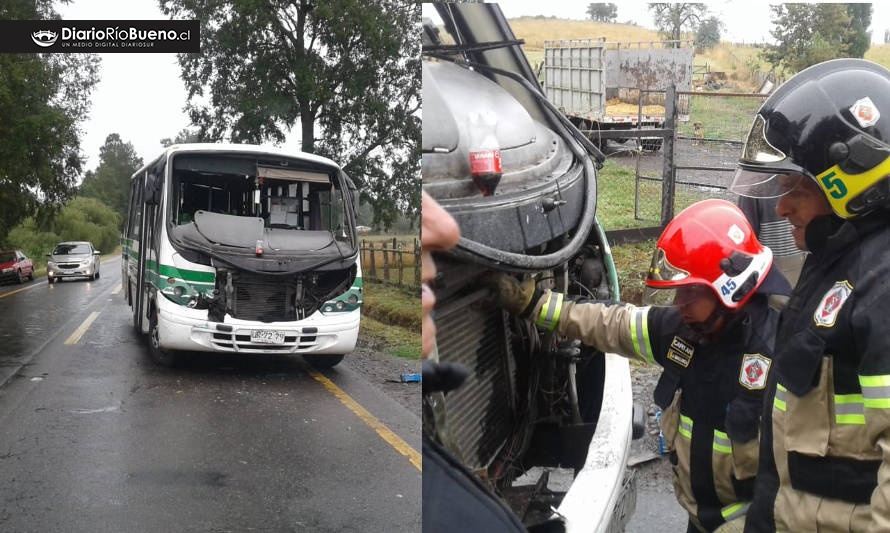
<point x="829" y="123"/>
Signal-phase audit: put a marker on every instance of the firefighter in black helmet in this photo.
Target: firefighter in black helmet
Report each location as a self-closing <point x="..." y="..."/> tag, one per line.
<point x="821" y="143"/>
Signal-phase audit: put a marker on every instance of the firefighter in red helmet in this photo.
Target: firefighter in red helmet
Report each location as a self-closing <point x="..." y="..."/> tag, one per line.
<point x="713" y="339"/>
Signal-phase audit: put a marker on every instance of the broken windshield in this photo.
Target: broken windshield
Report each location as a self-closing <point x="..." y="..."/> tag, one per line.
<point x="281" y="200"/>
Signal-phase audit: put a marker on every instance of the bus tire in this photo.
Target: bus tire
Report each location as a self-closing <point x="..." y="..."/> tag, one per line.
<point x="323" y="362"/>
<point x="159" y="355"/>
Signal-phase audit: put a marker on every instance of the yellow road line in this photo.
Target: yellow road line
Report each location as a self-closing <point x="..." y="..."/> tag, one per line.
<point x="117" y="289"/>
<point x="385" y="433"/>
<point x="10" y="293"/>
<point x="78" y="333"/>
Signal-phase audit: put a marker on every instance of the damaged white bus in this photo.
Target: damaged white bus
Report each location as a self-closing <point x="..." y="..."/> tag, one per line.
<point x="243" y="249"/>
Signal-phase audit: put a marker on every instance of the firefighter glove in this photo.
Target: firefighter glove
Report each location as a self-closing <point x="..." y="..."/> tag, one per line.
<point x="511" y="295"/>
<point x="526" y="300"/>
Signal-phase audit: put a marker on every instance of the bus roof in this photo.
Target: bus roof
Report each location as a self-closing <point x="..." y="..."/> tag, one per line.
<point x="241" y="148"/>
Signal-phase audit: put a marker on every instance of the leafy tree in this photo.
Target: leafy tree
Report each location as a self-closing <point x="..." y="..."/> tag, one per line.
<point x="673" y="20"/>
<point x="708" y="34"/>
<point x="858" y="37"/>
<point x="88" y="219"/>
<point x="807" y="34"/>
<point x="82" y="219"/>
<point x="43" y="100"/>
<point x="185" y="135"/>
<point x="110" y="183"/>
<point x="35" y="241"/>
<point x="348" y="68"/>
<point x="602" y="12"/>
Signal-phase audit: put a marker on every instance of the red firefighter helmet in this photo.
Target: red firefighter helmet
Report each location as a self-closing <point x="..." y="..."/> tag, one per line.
<point x="711" y="243"/>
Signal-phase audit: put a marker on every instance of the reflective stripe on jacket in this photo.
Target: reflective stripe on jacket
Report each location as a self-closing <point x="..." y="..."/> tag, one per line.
<point x="714" y="473"/>
<point x="829" y="408"/>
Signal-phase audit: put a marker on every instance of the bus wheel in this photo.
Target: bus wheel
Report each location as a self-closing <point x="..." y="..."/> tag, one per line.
<point x="323" y="362"/>
<point x="159" y="355"/>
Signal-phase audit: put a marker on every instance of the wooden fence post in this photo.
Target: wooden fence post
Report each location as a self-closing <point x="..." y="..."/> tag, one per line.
<point x="416" y="263"/>
<point x="401" y="264"/>
<point x="385" y="261"/>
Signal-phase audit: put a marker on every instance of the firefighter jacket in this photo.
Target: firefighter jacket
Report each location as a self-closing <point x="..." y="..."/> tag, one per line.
<point x="454" y="499"/>
<point x="826" y="430"/>
<point x="710" y="390"/>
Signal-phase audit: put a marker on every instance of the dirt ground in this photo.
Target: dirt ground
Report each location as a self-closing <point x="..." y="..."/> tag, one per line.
<point x="657" y="510"/>
<point x="653" y="469"/>
<point x="382" y="369"/>
<point x="695" y="163"/>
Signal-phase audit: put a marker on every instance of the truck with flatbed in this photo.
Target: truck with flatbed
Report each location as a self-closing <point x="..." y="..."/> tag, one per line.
<point x="604" y="86"/>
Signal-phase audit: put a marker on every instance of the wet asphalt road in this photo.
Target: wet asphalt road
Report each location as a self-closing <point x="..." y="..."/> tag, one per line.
<point x="97" y="438"/>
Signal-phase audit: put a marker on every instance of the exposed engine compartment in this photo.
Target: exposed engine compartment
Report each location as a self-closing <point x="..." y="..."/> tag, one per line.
<point x="532" y="400"/>
<point x="272" y="298"/>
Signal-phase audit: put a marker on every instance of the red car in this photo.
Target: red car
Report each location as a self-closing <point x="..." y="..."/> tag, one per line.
<point x="15" y="265"/>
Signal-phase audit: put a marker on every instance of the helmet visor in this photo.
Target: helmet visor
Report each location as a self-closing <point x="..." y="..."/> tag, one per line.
<point x="662" y="270"/>
<point x="763" y="184"/>
<point x="763" y="167"/>
<point x="758" y="150"/>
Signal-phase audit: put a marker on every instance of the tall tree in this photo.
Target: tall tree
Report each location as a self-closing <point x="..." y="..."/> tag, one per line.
<point x="858" y="37"/>
<point x="110" y="182"/>
<point x="708" y="34"/>
<point x="806" y="34"/>
<point x="673" y="19"/>
<point x="602" y="12"/>
<point x="185" y="135"/>
<point x="344" y="73"/>
<point x="43" y="100"/>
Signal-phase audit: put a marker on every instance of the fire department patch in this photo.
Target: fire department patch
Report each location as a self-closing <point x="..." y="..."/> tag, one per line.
<point x="827" y="310"/>
<point x="865" y="112"/>
<point x="755" y="368"/>
<point x="680" y="352"/>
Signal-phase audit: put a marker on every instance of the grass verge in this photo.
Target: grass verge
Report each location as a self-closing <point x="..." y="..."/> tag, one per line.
<point x="631" y="265"/>
<point x="391" y="319"/>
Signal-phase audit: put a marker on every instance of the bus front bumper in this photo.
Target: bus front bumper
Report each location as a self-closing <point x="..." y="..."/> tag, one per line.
<point x="188" y="329"/>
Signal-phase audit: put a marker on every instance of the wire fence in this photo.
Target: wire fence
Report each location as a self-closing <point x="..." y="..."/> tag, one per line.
<point x="698" y="163"/>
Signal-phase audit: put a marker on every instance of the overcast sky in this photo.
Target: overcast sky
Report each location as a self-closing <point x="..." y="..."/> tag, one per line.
<point x="140" y="96"/>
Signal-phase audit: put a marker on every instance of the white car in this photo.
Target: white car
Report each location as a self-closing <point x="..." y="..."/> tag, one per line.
<point x="73" y="259"/>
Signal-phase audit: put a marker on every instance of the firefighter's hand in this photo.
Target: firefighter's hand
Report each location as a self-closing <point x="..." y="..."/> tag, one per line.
<point x="509" y="294"/>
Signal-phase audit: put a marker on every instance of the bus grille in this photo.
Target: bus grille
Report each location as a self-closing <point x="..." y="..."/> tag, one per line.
<point x="263" y="298"/>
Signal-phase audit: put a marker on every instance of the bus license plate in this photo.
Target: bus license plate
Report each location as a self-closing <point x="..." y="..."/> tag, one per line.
<point x="267" y="336"/>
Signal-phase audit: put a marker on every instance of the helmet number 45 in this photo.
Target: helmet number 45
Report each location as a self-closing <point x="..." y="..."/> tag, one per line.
<point x="728" y="287"/>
